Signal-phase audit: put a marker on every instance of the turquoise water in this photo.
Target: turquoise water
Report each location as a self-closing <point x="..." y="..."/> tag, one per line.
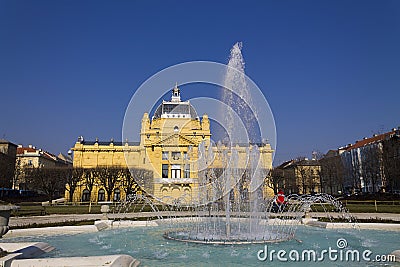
<point x="148" y="245"/>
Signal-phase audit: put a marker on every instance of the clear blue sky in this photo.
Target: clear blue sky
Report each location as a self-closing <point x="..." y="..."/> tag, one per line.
<point x="329" y="69"/>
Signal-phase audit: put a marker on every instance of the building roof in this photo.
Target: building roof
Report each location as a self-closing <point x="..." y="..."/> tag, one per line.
<point x="307" y="162"/>
<point x="285" y="164"/>
<point x="32" y="151"/>
<point x="367" y="141"/>
<point x="28" y="151"/>
<point x="21" y="150"/>
<point x="66" y="158"/>
<point x="3" y="141"/>
<point x="303" y="162"/>
<point x="107" y="143"/>
<point x="175" y="108"/>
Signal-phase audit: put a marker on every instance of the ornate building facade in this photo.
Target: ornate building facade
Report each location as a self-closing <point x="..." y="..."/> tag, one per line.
<point x="167" y="155"/>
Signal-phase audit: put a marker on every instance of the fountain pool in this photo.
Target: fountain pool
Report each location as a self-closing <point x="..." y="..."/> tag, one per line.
<point x="147" y="245"/>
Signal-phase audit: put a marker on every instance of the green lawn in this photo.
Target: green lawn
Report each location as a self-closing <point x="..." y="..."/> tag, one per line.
<point x="31" y="209"/>
<point x="366" y="208"/>
<point x="361" y="208"/>
<point x="71" y="209"/>
<point x="35" y="209"/>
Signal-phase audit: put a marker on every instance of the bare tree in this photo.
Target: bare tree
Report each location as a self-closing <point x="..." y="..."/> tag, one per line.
<point x="331" y="174"/>
<point x="18" y="173"/>
<point x="89" y="176"/>
<point x="7" y="167"/>
<point x="391" y="162"/>
<point x="275" y="179"/>
<point x="129" y="178"/>
<point x="108" y="177"/>
<point x="351" y="170"/>
<point x="371" y="166"/>
<point x="75" y="175"/>
<point x="327" y="176"/>
<point x="304" y="177"/>
<point x="49" y="181"/>
<point x="308" y="176"/>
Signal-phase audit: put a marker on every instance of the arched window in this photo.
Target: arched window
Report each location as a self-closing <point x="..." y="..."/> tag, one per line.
<point x="165" y="192"/>
<point x="85" y="195"/>
<point x="117" y="194"/>
<point x="101" y="196"/>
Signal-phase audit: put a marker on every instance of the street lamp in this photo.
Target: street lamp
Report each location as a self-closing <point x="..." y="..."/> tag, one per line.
<point x="70" y="156"/>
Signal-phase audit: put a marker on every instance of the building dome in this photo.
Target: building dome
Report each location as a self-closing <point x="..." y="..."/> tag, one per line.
<point x="175" y="108"/>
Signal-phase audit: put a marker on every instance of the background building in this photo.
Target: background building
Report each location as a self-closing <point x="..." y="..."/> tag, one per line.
<point x="370" y="165"/>
<point x="8" y="153"/>
<point x="299" y="176"/>
<point x="364" y="165"/>
<point x="31" y="158"/>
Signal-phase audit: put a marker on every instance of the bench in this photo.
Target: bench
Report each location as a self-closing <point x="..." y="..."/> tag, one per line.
<point x="29" y="210"/>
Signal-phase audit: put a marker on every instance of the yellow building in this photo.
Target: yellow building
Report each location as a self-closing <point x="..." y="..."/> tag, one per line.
<point x="300" y="176"/>
<point x="168" y="152"/>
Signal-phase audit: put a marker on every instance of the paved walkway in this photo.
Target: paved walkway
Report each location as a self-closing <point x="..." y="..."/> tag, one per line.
<point x="40" y="220"/>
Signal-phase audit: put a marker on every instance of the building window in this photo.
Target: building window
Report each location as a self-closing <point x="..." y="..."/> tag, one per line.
<point x="85" y="196"/>
<point x="165" y="171"/>
<point x="186" y="171"/>
<point x="185" y="155"/>
<point x="176" y="171"/>
<point x="176" y="155"/>
<point x="117" y="194"/>
<point x="165" y="155"/>
<point x="101" y="196"/>
<point x="30" y="162"/>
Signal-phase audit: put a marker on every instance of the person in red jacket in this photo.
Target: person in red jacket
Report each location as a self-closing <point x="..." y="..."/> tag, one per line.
<point x="279" y="201"/>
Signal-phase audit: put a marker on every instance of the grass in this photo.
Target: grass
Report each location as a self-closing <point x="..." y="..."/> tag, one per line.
<point x="76" y="209"/>
<point x="71" y="209"/>
<point x="95" y="209"/>
<point x="360" y="208"/>
<point x="370" y="220"/>
<point x="42" y="225"/>
<point x="368" y="208"/>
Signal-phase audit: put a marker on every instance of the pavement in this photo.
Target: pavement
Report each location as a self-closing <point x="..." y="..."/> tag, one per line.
<point x="59" y="218"/>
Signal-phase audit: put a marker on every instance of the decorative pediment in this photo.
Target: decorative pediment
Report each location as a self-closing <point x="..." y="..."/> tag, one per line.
<point x="176" y="140"/>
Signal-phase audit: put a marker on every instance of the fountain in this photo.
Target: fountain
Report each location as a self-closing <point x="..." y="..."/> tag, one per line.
<point x="230" y="207"/>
